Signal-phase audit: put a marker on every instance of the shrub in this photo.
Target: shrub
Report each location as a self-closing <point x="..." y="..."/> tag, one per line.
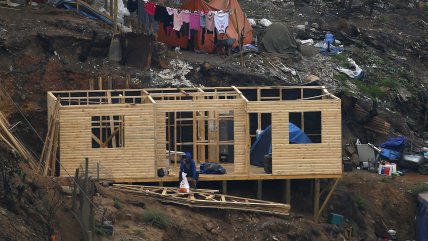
<point x="117" y="204"/>
<point x="139" y="233"/>
<point x="388" y="82"/>
<point x="362" y="203"/>
<point x="419" y="188"/>
<point x="156" y="218"/>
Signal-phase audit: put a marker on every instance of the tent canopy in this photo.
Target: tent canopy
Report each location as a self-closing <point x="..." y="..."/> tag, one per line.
<point x="237" y="23"/>
<point x="263" y="144"/>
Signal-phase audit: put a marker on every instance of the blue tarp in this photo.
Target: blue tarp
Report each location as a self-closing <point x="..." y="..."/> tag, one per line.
<point x="422" y="218"/>
<point x="263" y="144"/>
<point x="392" y="148"/>
<point x="84" y="10"/>
<point x="395" y="144"/>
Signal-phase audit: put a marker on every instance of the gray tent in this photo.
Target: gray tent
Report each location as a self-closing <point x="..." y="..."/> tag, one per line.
<point x="277" y="38"/>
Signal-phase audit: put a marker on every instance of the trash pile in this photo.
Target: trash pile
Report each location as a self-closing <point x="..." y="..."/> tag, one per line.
<point x="175" y="75"/>
<point x="393" y="157"/>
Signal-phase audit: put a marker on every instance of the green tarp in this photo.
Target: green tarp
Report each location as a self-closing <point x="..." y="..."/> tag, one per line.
<point x="277" y="38"/>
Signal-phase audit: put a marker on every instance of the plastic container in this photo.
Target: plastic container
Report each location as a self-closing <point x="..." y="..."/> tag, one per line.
<point x="387" y="169"/>
<point x="334" y="218"/>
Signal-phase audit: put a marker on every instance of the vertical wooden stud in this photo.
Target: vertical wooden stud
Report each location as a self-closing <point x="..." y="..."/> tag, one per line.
<point x="224" y="187"/>
<point x="316" y="199"/>
<point x="259" y="189"/>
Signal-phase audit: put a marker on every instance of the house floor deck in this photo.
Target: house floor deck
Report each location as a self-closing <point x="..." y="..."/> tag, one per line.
<point x="256" y="173"/>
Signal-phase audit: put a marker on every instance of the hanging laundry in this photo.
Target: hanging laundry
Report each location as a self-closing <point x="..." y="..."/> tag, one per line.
<point x="170" y="10"/>
<point x="162" y="15"/>
<point x="141" y="11"/>
<point x="178" y="21"/>
<point x="150" y="8"/>
<point x="185" y="16"/>
<point x="202" y="20"/>
<point x="210" y="21"/>
<point x="132" y="5"/>
<point x="221" y="21"/>
<point x="195" y="21"/>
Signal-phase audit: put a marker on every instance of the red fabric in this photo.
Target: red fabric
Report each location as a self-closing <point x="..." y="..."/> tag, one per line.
<point x="237" y="20"/>
<point x="150" y="8"/>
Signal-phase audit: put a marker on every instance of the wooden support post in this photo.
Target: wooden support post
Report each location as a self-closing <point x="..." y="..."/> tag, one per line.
<point x="195" y="139"/>
<point x="224" y="187"/>
<point x="259" y="189"/>
<point x="128" y="80"/>
<point x="100" y="83"/>
<point x="316" y="199"/>
<point x="161" y="184"/>
<point x="111" y="8"/>
<point x="91" y="84"/>
<point x="98" y="171"/>
<point x="116" y="11"/>
<point x="109" y="83"/>
<point x="74" y="196"/>
<point x="86" y="174"/>
<point x="328" y="196"/>
<point x="77" y="6"/>
<point x="287" y="191"/>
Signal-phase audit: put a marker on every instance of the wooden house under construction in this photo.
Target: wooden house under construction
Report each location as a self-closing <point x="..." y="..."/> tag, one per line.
<point x="128" y="135"/>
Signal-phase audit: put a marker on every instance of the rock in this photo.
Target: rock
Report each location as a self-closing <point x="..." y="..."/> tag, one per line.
<point x="315" y="25"/>
<point x="252" y="22"/>
<point x="292" y="235"/>
<point x="312" y="78"/>
<point x="301" y="27"/>
<point x="265" y="22"/>
<point x="209" y="226"/>
<point x="160" y="55"/>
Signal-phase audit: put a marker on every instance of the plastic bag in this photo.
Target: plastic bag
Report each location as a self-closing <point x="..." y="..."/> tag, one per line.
<point x="184" y="184"/>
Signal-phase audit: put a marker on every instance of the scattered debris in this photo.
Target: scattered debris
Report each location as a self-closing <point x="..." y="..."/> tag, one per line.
<point x="176" y="74"/>
<point x="354" y="71"/>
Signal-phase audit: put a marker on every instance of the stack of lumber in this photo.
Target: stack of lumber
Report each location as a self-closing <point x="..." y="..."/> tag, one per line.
<point x="10" y="139"/>
<point x="202" y="198"/>
<point x="49" y="152"/>
<point x="376" y="124"/>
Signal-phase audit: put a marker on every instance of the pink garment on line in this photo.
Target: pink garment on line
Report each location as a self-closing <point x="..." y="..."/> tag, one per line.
<point x="185" y="16"/>
<point x="210" y="21"/>
<point x="178" y="21"/>
<point x="195" y="21"/>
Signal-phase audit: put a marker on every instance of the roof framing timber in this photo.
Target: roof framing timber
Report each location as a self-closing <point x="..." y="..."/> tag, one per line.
<point x="155" y="95"/>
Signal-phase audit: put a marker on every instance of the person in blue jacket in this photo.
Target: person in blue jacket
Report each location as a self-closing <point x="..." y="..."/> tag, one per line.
<point x="187" y="165"/>
<point x="329" y="40"/>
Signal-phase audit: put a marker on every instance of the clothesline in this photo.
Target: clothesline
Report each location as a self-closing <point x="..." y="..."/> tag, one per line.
<point x="151" y="13"/>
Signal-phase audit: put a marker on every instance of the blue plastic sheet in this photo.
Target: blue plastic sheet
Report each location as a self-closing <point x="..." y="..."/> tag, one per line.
<point x="395" y="144"/>
<point x="422" y="218"/>
<point x="263" y="144"/>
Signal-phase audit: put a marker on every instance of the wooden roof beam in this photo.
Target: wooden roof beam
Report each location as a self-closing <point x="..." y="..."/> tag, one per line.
<point x="239" y="93"/>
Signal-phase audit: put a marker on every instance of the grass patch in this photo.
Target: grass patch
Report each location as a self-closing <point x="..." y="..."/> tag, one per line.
<point x="419" y="188"/>
<point x="117" y="204"/>
<point x="139" y="233"/>
<point x="156" y="218"/>
<point x="362" y="203"/>
<point x="388" y="82"/>
<point x="371" y="90"/>
<point x="341" y="77"/>
<point x="342" y="60"/>
<point x="426" y="7"/>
